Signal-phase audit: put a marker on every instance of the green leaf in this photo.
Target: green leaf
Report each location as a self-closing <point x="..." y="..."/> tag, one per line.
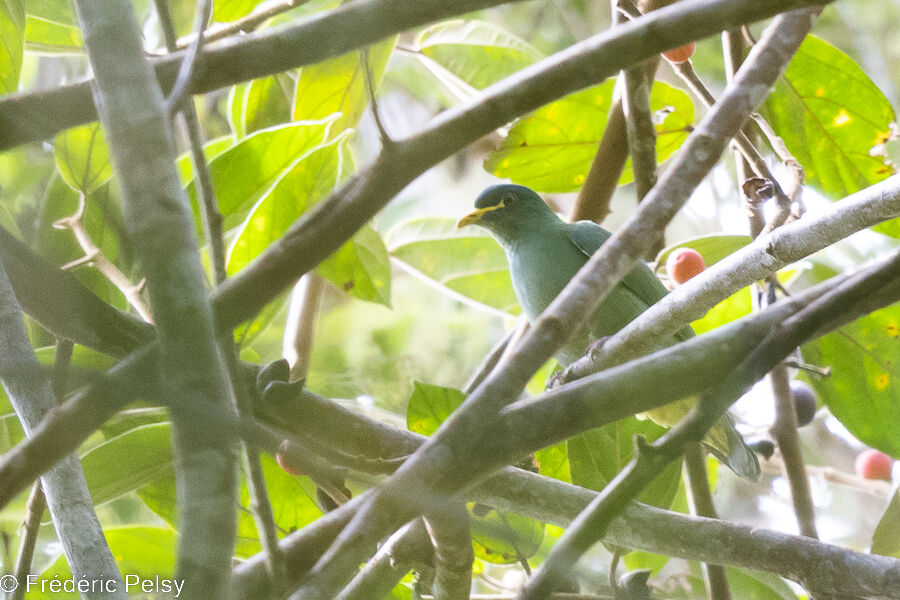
<point x="863" y="391"/>
<point x="247" y="171"/>
<point x="292" y="499"/>
<point x="293" y="502"/>
<point x="463" y="262"/>
<point x="260" y="104"/>
<point x="211" y="149"/>
<point x="49" y="37"/>
<point x="128" y="461"/>
<point x="502" y="537"/>
<point x="361" y="267"/>
<point x="551" y="149"/>
<point x="231" y="10"/>
<point x="712" y="248"/>
<point x="886" y="539"/>
<point x="553" y="461"/>
<point x="478" y="52"/>
<point x="338" y="85"/>
<point x="832" y="118"/>
<point x="12" y="44"/>
<point x="82" y="157"/>
<point x="430" y="405"/>
<point x="757" y="585"/>
<point x="141" y="552"/>
<point x="56" y="11"/>
<point x="597" y="456"/>
<point x="296" y="186"/>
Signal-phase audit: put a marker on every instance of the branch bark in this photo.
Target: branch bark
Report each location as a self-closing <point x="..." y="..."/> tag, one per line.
<point x="29" y="390"/>
<point x="134" y="116"/>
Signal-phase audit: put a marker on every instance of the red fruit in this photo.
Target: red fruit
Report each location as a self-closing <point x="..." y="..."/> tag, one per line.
<point x="286" y="464"/>
<point x="804" y="402"/>
<point x="680" y="54"/>
<point x="873" y="464"/>
<point x="684" y="263"/>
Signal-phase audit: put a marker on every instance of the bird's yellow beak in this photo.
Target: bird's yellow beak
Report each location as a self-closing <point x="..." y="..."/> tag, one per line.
<point x="475" y="216"/>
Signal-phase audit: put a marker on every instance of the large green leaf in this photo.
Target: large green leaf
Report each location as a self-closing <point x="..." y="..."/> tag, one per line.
<point x="296" y="188"/>
<point x="12" y="43"/>
<point x="361" y="267"/>
<point x="56" y="11"/>
<point x="259" y="104"/>
<point x="467" y="262"/>
<point x="551" y="149"/>
<point x="338" y="85"/>
<point x="292" y="499"/>
<point x="232" y="10"/>
<point x="247" y="171"/>
<point x="128" y="461"/>
<point x="142" y="553"/>
<point x="863" y="391"/>
<point x="597" y="456"/>
<point x="49" y="37"/>
<point x="82" y="157"/>
<point x="477" y="52"/>
<point x="832" y="118"/>
<point x="498" y="537"/>
<point x="886" y="539"/>
<point x="430" y="405"/>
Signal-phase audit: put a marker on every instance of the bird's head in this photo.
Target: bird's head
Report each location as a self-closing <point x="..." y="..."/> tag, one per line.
<point x="508" y="211"/>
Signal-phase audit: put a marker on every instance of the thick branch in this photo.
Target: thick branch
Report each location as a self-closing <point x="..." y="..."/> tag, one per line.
<point x="40" y="115"/>
<point x="160" y="226"/>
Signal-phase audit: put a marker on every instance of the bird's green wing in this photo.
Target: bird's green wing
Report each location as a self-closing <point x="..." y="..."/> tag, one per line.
<point x="640" y="281"/>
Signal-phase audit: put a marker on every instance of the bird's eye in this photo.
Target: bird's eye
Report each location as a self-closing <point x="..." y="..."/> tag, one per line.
<point x="508" y="199"/>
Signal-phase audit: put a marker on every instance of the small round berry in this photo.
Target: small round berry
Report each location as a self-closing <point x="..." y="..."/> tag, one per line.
<point x="874" y="464"/>
<point x="680" y="54"/>
<point x="684" y="263"/>
<point x="804" y="402"/>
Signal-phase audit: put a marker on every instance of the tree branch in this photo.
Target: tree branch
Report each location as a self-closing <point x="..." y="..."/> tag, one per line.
<point x="29" y="390"/>
<point x="321" y="231"/>
<point x="134" y="116"/>
<point x="768" y="253"/>
<point x="40" y="115"/>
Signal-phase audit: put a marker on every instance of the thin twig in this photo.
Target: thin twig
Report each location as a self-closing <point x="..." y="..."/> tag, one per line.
<point x="262" y="13"/>
<point x="386" y="141"/>
<point x="31" y="528"/>
<point x="94" y="256"/>
<point x="701" y="503"/>
<point x="186" y="71"/>
<point x="783" y="202"/>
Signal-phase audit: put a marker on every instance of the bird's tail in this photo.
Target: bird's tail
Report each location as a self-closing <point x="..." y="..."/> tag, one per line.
<point x="726" y="444"/>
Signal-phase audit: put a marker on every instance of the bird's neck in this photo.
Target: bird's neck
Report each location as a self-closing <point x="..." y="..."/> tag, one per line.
<point x="525" y="233"/>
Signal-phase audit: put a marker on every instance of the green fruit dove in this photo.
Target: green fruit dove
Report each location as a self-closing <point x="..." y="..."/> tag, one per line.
<point x="545" y="252"/>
